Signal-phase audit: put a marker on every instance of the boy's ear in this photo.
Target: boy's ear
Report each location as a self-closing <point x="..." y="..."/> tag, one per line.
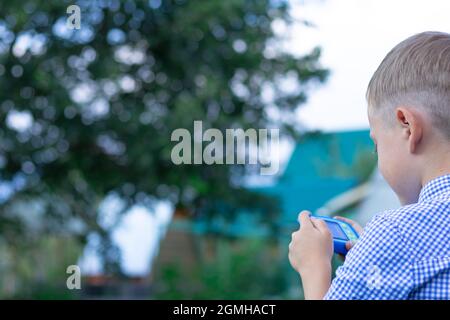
<point x="412" y="126"/>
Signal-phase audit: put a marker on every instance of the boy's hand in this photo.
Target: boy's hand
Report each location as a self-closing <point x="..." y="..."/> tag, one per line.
<point x="310" y="253"/>
<point x="311" y="245"/>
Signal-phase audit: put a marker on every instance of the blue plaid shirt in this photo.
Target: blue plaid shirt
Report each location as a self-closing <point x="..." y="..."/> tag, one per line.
<point x="403" y="253"/>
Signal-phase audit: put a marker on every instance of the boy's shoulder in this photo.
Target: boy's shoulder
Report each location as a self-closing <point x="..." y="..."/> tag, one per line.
<point x="422" y="226"/>
<point x="415" y="213"/>
<point x="419" y="215"/>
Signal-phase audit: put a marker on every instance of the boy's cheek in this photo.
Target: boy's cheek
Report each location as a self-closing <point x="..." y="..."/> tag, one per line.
<point x="390" y="175"/>
<point x="399" y="173"/>
<point x="388" y="165"/>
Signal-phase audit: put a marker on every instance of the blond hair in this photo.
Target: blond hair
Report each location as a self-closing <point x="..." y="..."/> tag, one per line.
<point x="416" y="73"/>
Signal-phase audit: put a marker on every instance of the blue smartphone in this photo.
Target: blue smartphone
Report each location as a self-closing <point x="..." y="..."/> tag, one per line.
<point x="341" y="231"/>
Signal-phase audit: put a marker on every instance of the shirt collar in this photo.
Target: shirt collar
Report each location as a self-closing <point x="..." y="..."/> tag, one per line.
<point x="435" y="187"/>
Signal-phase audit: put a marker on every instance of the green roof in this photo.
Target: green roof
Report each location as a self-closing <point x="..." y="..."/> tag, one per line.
<point x="321" y="167"/>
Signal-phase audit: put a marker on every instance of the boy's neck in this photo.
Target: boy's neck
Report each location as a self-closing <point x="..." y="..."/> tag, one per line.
<point x="436" y="166"/>
<point x="430" y="167"/>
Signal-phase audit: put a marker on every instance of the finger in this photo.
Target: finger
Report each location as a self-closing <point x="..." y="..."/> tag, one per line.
<point x="320" y="225"/>
<point x="304" y="219"/>
<point x="349" y="221"/>
<point x="349" y="244"/>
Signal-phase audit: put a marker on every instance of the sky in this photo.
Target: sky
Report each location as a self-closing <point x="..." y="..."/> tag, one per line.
<point x="136" y="236"/>
<point x="355" y="35"/>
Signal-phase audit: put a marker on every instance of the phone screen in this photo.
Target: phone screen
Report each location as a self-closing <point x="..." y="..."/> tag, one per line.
<point x="336" y="230"/>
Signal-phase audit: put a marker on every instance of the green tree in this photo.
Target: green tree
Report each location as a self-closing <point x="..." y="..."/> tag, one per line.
<point x="89" y="112"/>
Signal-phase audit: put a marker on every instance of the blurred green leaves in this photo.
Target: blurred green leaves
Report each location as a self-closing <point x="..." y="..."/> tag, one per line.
<point x="248" y="269"/>
<point x="104" y="100"/>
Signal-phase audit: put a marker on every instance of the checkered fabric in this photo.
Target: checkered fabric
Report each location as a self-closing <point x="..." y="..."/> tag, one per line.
<point x="403" y="253"/>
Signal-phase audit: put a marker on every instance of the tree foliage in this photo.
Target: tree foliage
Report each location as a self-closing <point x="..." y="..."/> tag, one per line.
<point x="88" y="113"/>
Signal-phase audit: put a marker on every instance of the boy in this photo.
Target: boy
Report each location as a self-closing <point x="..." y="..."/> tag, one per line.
<point x="402" y="253"/>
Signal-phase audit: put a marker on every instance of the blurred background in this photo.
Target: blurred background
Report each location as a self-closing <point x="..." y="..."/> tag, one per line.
<point x="86" y="116"/>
